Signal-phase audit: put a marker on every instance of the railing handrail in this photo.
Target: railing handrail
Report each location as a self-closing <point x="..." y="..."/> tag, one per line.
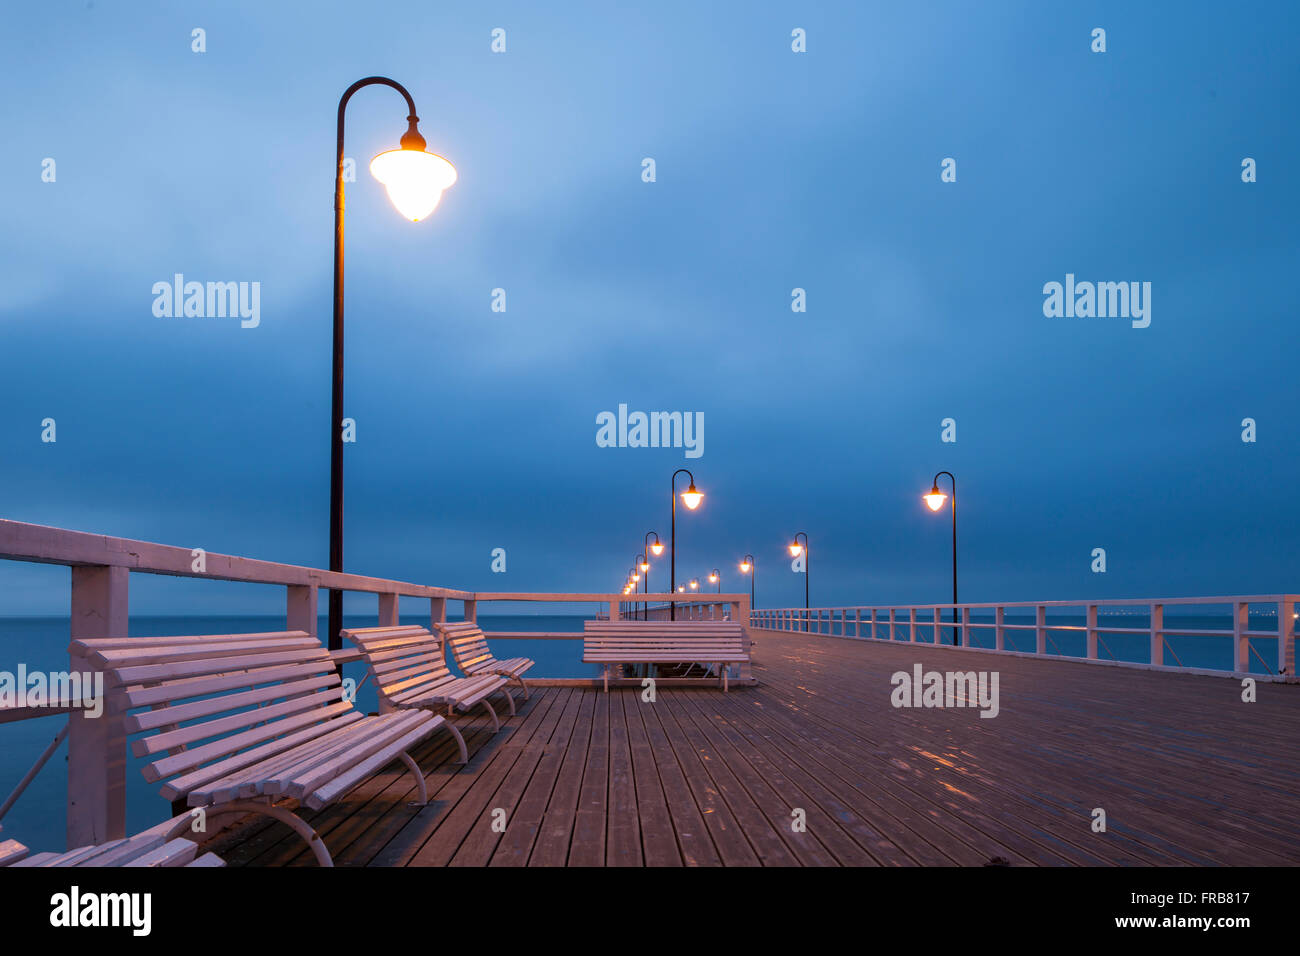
<point x="886" y="618"/>
<point x="1097" y="602"/>
<point x="40" y="544"/>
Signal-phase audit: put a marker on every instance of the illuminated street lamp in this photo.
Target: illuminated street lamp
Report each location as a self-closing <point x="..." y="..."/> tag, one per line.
<point x="691" y="499"/>
<point x="648" y="548"/>
<point x="935" y="500"/>
<point x="695" y="584"/>
<point x="415" y="180"/>
<point x="747" y="567"/>
<point x="795" y="550"/>
<point x="716" y="578"/>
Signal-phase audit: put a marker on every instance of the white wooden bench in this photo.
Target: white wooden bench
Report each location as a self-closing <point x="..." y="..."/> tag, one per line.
<point x="719" y="643"/>
<point x="154" y="847"/>
<point x="250" y="723"/>
<point x="472" y="655"/>
<point x="410" y="668"/>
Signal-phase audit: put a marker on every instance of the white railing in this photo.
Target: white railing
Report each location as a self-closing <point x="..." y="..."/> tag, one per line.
<point x="995" y="628"/>
<point x="101" y="571"/>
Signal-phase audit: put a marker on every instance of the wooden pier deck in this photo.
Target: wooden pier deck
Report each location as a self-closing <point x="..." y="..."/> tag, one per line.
<point x="1186" y="772"/>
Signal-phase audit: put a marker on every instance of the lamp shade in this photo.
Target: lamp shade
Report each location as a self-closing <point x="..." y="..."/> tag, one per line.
<point x="692" y="498"/>
<point x="415" y="179"/>
<point x="935" y="499"/>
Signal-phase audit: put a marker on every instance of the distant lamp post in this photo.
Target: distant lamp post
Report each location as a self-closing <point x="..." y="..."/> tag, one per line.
<point x="935" y="500"/>
<point x="656" y="548"/>
<point x="747" y="567"/>
<point x="796" y="549"/>
<point x="716" y="578"/>
<point x="415" y="180"/>
<point x="691" y="499"/>
<point x="681" y="588"/>
<point x="643" y="566"/>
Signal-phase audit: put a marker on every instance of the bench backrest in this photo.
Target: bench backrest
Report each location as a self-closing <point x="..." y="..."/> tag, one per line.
<point x="240" y="697"/>
<point x="659" y="637"/>
<point x="468" y="644"/>
<point x="402" y="657"/>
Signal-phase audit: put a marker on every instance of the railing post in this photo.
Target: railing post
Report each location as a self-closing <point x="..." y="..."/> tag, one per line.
<point x="1157" y="634"/>
<point x="388" y="610"/>
<point x="97" y="745"/>
<point x="1040" y="630"/>
<point x="965" y="626"/>
<point x="471" y="611"/>
<point x="301" y="608"/>
<point x="857" y="622"/>
<point x="999" y="629"/>
<point x="437" y="612"/>
<point x="911" y="625"/>
<point x="741" y="611"/>
<point x="938" y="617"/>
<point x="1286" y="638"/>
<point x="1092" y="632"/>
<point x="1240" y="642"/>
<point x="873" y="623"/>
<point x="891" y="623"/>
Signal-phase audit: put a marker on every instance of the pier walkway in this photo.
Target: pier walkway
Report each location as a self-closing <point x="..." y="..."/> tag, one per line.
<point x="1185" y="772"/>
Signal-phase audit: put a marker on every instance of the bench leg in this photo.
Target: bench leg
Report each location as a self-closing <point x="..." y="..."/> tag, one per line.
<point x="524" y="686"/>
<point x="604" y="669"/>
<point x="419" y="778"/>
<point x="496" y="724"/>
<point x="460" y="741"/>
<point x="291" y="820"/>
<point x="505" y="689"/>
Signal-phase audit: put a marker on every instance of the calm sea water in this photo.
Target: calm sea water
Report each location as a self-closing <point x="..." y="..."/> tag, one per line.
<point x="37" y="819"/>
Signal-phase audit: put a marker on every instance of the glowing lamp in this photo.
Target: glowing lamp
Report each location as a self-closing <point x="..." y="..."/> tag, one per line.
<point x="415" y="179"/>
<point x="692" y="498"/>
<point x="935" y="498"/>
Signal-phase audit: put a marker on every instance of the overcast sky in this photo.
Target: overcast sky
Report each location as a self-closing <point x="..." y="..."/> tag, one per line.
<point x="774" y="170"/>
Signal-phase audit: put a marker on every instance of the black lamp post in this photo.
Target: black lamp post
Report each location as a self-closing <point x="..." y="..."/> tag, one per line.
<point x="656" y="548"/>
<point x="935" y="500"/>
<point x="747" y="567"/>
<point x="807" y="561"/>
<point x="716" y="578"/>
<point x="642" y="569"/>
<point x="415" y="180"/>
<point x="691" y="499"/>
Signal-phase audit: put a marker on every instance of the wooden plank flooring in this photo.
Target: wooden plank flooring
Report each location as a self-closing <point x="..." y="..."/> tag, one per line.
<point x="1186" y="772"/>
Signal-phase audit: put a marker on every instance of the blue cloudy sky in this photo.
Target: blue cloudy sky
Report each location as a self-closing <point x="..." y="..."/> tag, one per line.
<point x="775" y="170"/>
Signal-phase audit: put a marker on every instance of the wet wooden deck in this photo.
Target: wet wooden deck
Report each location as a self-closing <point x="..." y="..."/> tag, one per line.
<point x="1185" y="771"/>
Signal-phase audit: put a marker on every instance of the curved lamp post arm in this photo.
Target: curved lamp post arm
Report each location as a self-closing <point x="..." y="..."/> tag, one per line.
<point x="749" y="559"/>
